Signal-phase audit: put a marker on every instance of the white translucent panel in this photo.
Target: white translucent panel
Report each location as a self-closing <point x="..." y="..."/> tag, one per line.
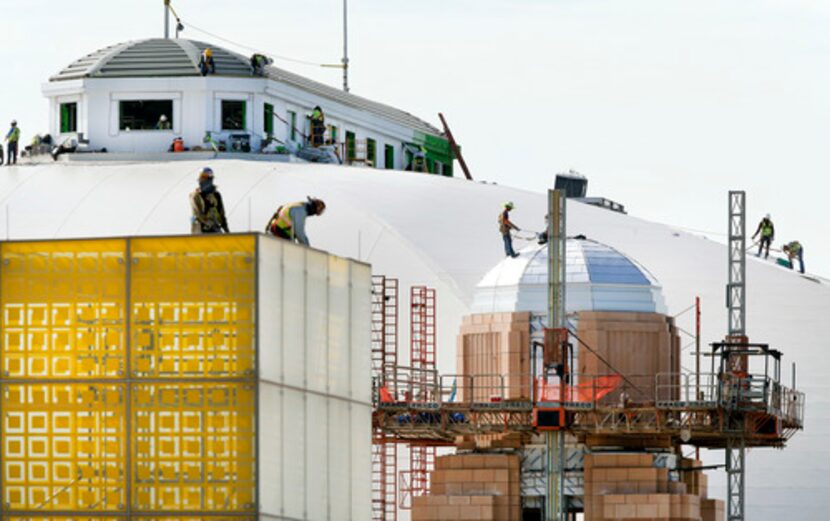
<point x="294" y="311"/>
<point x="316" y="320"/>
<point x="292" y="454"/>
<point x="270" y="448"/>
<point x="339" y="456"/>
<point x="339" y="327"/>
<point x="361" y="332"/>
<point x="270" y="309"/>
<point x="361" y="435"/>
<point x="317" y="454"/>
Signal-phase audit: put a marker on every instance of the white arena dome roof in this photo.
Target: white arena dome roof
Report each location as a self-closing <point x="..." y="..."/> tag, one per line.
<point x="443" y="232"/>
<point x="598" y="278"/>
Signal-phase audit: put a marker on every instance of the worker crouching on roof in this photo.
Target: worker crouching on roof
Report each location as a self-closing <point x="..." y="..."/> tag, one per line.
<point x="795" y="250"/>
<point x="767" y="232"/>
<point x="206" y="63"/>
<point x="505" y="227"/>
<point x="288" y="222"/>
<point x="207" y="206"/>
<point x="258" y="63"/>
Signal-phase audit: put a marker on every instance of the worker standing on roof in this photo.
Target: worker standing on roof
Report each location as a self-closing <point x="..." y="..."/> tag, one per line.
<point x="207" y="206"/>
<point x="206" y="63"/>
<point x="767" y="232"/>
<point x="318" y="126"/>
<point x="288" y="222"/>
<point x="13" y="138"/>
<point x="795" y="250"/>
<point x="505" y="227"/>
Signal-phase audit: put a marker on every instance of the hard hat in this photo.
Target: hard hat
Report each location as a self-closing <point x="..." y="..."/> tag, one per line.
<point x="767" y="216"/>
<point x="206" y="173"/>
<point x="509" y="205"/>
<point x="14" y="122"/>
<point x="208" y="52"/>
<point x="163" y="118"/>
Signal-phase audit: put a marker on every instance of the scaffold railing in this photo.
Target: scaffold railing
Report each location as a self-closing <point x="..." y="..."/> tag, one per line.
<point x="663" y="404"/>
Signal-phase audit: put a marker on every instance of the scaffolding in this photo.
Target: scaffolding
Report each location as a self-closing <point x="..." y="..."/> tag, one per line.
<point x="422" y="361"/>
<point x="384" y="355"/>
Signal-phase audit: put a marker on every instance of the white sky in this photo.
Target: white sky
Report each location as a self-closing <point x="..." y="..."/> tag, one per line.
<point x="664" y="105"/>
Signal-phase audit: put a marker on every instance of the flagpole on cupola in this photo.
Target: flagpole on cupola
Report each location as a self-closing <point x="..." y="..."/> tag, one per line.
<point x="166" y="19"/>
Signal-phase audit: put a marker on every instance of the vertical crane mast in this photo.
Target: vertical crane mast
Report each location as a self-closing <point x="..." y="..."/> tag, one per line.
<point x="736" y="302"/>
<point x="555" y="440"/>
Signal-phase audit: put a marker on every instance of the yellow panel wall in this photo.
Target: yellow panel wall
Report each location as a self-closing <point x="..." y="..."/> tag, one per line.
<point x="105" y="412"/>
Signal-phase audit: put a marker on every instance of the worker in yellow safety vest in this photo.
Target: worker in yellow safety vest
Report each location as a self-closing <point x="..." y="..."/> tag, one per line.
<point x="13" y="138"/>
<point x="288" y="222"/>
<point x="795" y="250"/>
<point x="318" y="126"/>
<point x="767" y="232"/>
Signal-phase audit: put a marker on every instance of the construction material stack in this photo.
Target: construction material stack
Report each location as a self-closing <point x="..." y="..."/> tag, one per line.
<point x="481" y="487"/>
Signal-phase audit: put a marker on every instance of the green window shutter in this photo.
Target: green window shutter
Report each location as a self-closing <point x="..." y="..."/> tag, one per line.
<point x="371" y="151"/>
<point x="64" y="117"/>
<point x="268" y="127"/>
<point x="389" y="152"/>
<point x="350" y="146"/>
<point x="292" y="118"/>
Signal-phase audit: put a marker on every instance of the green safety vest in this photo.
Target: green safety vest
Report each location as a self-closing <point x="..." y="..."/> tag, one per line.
<point x="15" y="135"/>
<point x="766" y="229"/>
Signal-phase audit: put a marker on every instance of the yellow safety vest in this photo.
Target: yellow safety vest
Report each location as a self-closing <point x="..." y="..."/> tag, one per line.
<point x="283" y="220"/>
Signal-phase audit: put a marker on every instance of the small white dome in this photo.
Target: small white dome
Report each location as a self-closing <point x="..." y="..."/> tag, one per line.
<point x="598" y="278"/>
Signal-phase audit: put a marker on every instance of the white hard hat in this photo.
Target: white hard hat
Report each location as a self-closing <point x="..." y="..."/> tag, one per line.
<point x="14" y="122"/>
<point x="767" y="216"/>
<point x="163" y="117"/>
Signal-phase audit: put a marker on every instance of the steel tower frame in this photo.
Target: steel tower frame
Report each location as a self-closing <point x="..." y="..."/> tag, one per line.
<point x="736" y="303"/>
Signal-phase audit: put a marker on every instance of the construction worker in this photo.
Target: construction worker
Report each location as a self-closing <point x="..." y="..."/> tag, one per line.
<point x="795" y="250"/>
<point x="163" y="123"/>
<point x="505" y="227"/>
<point x="208" y="210"/>
<point x="419" y="161"/>
<point x="12" y="137"/>
<point x="318" y="126"/>
<point x="288" y="222"/>
<point x="258" y="63"/>
<point x="206" y="63"/>
<point x="767" y="232"/>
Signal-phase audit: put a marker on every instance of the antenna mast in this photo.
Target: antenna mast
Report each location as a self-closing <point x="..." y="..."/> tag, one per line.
<point x="346" y="45"/>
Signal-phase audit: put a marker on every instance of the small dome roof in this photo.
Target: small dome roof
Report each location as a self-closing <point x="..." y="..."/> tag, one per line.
<point x="598" y="278"/>
<point x="153" y="57"/>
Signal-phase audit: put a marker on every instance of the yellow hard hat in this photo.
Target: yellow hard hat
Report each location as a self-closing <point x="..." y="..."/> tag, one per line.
<point x="208" y="52"/>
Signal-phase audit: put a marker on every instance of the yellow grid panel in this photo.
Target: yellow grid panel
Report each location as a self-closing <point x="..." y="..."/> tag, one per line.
<point x="193" y="304"/>
<point x="193" y="447"/>
<point x="63" y="447"/>
<point x="63" y="309"/>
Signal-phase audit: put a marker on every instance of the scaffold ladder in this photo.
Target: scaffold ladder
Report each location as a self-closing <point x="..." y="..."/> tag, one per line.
<point x="384" y="355"/>
<point x="422" y="359"/>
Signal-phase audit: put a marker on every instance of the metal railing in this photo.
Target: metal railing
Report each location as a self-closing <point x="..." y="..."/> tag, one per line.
<point x="426" y="389"/>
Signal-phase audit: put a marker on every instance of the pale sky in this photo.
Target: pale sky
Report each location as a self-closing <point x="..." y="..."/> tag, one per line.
<point x="664" y="105"/>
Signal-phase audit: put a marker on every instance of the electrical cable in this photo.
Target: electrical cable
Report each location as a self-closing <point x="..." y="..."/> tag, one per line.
<point x="246" y="47"/>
